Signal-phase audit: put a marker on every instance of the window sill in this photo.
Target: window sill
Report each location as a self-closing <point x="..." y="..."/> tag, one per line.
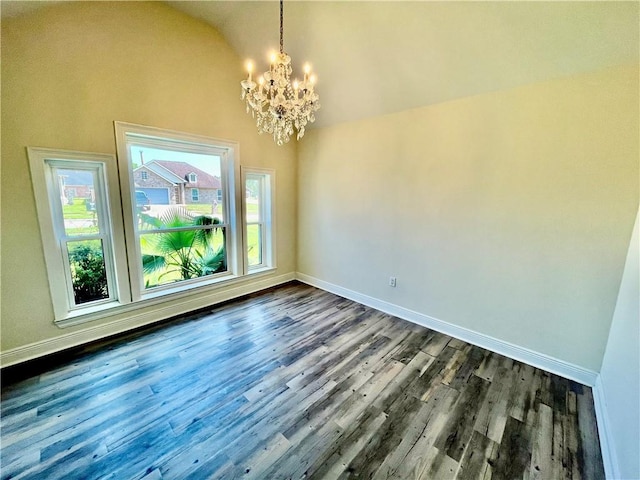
<point x="100" y="312"/>
<point x="257" y="271"/>
<point x="179" y="289"/>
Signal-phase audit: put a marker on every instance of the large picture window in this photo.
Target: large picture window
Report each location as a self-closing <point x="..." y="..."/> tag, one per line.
<point x="187" y="236"/>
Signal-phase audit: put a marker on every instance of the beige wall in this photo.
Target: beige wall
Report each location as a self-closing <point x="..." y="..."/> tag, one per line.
<point x="68" y="72"/>
<point x="508" y="213"/>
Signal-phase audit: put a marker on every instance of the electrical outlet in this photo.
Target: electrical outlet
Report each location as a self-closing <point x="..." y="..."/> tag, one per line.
<point x="392" y="281"/>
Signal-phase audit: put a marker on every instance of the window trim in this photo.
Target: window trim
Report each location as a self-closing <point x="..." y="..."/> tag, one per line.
<point x="47" y="207"/>
<point x="268" y="213"/>
<point x="183" y="142"/>
<point x="196" y="197"/>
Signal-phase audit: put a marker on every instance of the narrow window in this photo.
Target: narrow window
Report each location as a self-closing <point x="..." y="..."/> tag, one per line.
<point x="144" y="175"/>
<point x="76" y="225"/>
<point x="258" y="215"/>
<point x="195" y="195"/>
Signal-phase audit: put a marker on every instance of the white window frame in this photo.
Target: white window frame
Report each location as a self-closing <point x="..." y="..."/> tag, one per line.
<point x="54" y="238"/>
<point x="116" y="205"/>
<point x="128" y="134"/>
<point x="144" y="175"/>
<point x="267" y="223"/>
<point x="193" y="178"/>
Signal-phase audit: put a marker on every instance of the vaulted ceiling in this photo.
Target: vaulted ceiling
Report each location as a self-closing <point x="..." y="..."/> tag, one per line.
<point x="374" y="58"/>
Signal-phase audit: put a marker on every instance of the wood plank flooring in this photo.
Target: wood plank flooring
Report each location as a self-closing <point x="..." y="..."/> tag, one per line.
<point x="295" y="383"/>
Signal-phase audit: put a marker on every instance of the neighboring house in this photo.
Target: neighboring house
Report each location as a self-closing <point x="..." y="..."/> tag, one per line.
<point x="78" y="191"/>
<point x="173" y="183"/>
<point x="75" y="184"/>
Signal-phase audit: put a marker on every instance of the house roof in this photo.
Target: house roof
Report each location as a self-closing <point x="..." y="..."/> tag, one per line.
<point x="183" y="169"/>
<point x="162" y="172"/>
<point x="178" y="172"/>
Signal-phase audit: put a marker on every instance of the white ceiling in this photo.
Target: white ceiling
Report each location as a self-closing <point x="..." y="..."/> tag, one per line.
<point x="373" y="58"/>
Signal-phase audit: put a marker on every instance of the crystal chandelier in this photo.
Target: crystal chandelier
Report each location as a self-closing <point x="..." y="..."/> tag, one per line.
<point x="277" y="104"/>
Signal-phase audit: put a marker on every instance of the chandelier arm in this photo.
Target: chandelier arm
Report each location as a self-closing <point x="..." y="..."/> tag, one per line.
<point x="281" y="26"/>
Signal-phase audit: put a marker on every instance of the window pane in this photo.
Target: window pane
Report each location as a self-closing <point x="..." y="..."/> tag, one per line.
<point x="88" y="272"/>
<point x="78" y="198"/>
<point x="167" y="179"/>
<point x="169" y="257"/>
<point x="254" y="245"/>
<point x="253" y="198"/>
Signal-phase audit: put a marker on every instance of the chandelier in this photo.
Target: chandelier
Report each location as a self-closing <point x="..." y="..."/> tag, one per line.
<point x="277" y="104"/>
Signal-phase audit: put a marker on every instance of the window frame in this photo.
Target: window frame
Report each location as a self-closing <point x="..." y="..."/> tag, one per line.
<point x="196" y="197"/>
<point x="54" y="236"/>
<point x="267" y="177"/>
<point x="127" y="134"/>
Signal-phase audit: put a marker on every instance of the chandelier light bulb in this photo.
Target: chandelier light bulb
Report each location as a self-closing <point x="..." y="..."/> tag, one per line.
<point x="249" y="68"/>
<point x="280" y="105"/>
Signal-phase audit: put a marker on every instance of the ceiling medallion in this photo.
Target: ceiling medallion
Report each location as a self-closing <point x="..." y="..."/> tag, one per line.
<point x="278" y="104"/>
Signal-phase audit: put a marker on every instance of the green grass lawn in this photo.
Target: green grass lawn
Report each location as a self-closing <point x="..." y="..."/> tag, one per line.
<point x="202" y="209"/>
<point x="77" y="211"/>
<point x="81" y="230"/>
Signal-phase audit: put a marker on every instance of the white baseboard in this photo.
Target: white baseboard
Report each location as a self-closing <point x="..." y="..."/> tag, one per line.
<point x="609" y="457"/>
<point x="137" y="319"/>
<point x="530" y="357"/>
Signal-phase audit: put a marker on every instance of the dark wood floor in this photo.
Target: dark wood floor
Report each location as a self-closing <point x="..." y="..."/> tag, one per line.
<point x="296" y="383"/>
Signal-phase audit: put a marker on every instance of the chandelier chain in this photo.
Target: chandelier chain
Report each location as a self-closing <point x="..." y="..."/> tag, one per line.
<point x="281" y="26"/>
